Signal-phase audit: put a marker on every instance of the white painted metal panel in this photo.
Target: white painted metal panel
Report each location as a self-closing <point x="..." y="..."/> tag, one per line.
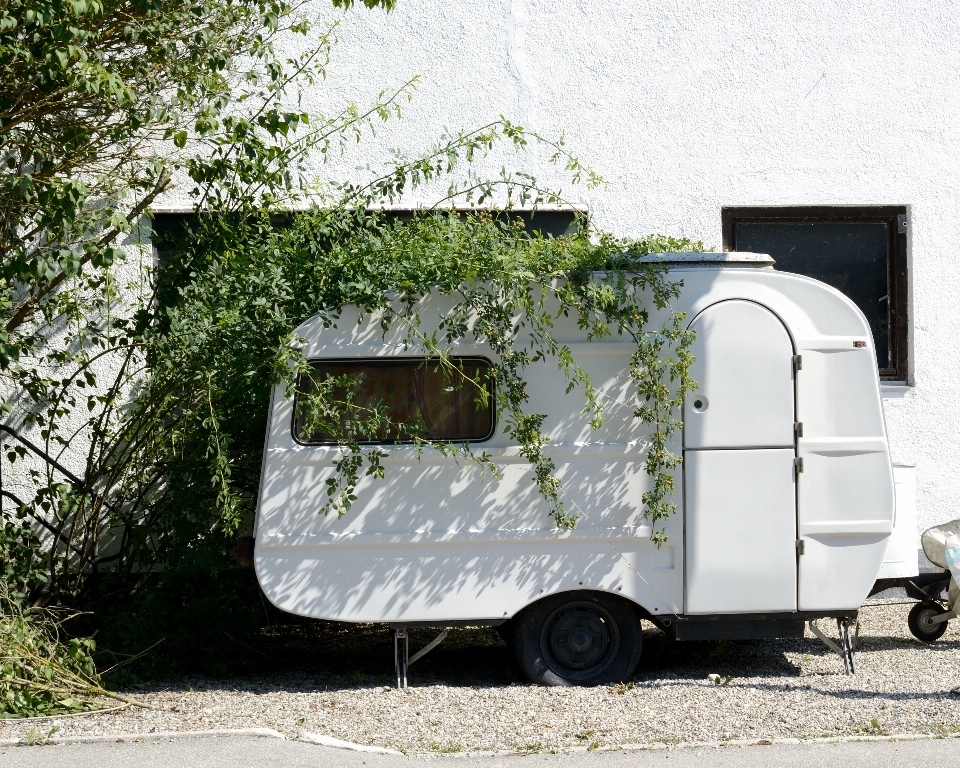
<point x="741" y="531"/>
<point x="845" y="496"/>
<point x="433" y="541"/>
<point x="845" y="516"/>
<point x="744" y="365"/>
<point x="838" y="394"/>
<point x="463" y="580"/>
<point x="902" y="555"/>
<point x="838" y="570"/>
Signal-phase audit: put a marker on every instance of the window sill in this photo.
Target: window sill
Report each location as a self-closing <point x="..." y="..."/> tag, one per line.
<point x="894" y="388"/>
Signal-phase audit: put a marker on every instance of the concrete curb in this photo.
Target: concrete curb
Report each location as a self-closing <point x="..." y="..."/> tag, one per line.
<point x="268" y="733"/>
<point x="329" y="741"/>
<point x="752" y="742"/>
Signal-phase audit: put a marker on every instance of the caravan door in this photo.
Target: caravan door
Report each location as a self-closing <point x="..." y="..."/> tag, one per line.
<point x="739" y="475"/>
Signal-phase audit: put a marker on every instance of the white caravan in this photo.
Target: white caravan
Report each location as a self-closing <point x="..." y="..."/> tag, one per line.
<point x="785" y="496"/>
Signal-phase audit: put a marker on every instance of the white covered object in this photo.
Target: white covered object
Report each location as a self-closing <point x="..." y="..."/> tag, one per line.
<point x="934" y="539"/>
<point x="902" y="558"/>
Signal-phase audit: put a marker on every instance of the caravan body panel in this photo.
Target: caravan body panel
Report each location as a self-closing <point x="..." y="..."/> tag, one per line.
<point x="741" y="531"/>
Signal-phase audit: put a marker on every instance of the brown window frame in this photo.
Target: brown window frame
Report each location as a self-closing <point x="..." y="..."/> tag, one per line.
<point x="896" y="262"/>
<point x="413" y="362"/>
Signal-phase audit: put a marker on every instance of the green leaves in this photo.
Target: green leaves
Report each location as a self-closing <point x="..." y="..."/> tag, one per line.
<point x="387" y="5"/>
<point x="21" y="557"/>
<point x="87" y="90"/>
<point x="100" y="104"/>
<point x="39" y="674"/>
<point x="251" y="282"/>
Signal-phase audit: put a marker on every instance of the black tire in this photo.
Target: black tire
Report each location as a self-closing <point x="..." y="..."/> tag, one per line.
<point x="507" y="631"/>
<point x="578" y="638"/>
<point x="920" y="625"/>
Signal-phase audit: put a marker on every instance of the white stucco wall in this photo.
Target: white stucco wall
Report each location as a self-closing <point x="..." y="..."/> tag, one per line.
<point x="688" y="106"/>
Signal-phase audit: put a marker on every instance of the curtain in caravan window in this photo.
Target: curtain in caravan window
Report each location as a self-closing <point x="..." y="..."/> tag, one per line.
<point x="387" y="401"/>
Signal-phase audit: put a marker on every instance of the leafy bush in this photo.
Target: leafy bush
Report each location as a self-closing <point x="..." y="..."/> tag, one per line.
<point x="22" y="561"/>
<point x="237" y="287"/>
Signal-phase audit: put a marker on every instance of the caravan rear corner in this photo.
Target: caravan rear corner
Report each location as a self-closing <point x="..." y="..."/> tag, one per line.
<point x="785" y="502"/>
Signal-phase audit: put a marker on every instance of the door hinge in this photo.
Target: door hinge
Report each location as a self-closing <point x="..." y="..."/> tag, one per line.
<point x="798" y="428"/>
<point x="799" y="547"/>
<point x="902" y="223"/>
<point x="797" y="362"/>
<point x="798" y="463"/>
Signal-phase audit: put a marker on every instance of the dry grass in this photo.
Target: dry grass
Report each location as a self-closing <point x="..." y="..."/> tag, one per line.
<point x="43" y="671"/>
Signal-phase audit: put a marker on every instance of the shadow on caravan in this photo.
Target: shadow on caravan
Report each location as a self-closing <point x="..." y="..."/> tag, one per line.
<point x="785" y="498"/>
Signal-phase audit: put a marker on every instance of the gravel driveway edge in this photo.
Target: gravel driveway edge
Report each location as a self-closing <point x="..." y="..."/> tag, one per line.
<point x="327" y="741"/>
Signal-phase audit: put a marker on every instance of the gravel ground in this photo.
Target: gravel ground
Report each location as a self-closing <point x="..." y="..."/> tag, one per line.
<point x="466" y="695"/>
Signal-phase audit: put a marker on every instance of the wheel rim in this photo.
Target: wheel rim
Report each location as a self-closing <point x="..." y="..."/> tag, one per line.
<point x="925" y="620"/>
<point x="579" y="640"/>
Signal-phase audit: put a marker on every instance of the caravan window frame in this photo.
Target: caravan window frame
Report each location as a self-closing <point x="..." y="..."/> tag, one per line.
<point x="387" y="361"/>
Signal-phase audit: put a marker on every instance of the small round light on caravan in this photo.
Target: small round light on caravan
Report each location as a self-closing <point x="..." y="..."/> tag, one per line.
<point x="859" y="344"/>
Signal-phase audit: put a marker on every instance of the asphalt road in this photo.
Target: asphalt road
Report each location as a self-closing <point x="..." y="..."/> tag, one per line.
<point x="251" y="752"/>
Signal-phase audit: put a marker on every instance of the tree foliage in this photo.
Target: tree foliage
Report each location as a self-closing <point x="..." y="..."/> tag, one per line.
<point x="94" y="98"/>
<point x="104" y="106"/>
<point x="44" y="671"/>
<point x="228" y="332"/>
<point x="144" y="392"/>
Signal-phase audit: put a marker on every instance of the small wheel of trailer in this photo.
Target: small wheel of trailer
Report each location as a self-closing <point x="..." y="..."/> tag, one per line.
<point x="921" y="622"/>
<point x="578" y="638"/>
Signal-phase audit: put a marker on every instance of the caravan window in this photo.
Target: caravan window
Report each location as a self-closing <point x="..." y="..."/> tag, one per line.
<point x="398" y="400"/>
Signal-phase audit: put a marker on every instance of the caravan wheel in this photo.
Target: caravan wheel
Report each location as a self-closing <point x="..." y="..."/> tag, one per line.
<point x="578" y="638"/>
<point x="921" y="624"/>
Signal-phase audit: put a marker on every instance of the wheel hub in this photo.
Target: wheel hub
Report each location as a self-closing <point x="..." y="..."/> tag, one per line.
<point x="582" y="640"/>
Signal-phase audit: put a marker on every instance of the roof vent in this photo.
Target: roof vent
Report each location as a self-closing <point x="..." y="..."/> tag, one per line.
<point x="726" y="259"/>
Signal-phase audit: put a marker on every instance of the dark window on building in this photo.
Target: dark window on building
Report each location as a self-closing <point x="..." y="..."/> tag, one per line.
<point x="411" y="398"/>
<point x="169" y="228"/>
<point x="549" y="223"/>
<point x="859" y="251"/>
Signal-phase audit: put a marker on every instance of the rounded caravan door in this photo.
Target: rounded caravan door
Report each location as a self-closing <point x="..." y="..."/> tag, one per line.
<point x="739" y="459"/>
